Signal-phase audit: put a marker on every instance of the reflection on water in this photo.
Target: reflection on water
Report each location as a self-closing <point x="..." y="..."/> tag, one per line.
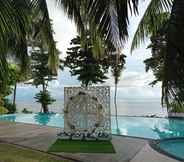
<point x="170" y="128"/>
<point x="42" y="119"/>
<point x="155" y="128"/>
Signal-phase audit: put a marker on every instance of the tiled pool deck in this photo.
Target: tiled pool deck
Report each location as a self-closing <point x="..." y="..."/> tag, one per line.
<point x="41" y="137"/>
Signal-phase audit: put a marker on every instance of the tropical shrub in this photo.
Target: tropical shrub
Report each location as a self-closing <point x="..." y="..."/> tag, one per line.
<point x="9" y="106"/>
<point x="83" y="64"/>
<point x="176" y="107"/>
<point x="45" y="99"/>
<point x="26" y="111"/>
<point x="41" y="74"/>
<point x="3" y="110"/>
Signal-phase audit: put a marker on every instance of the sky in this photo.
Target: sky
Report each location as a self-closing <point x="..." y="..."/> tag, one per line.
<point x="134" y="82"/>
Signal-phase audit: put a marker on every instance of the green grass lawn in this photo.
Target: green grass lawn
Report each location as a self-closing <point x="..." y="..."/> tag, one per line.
<point x="11" y="153"/>
<point x="77" y="146"/>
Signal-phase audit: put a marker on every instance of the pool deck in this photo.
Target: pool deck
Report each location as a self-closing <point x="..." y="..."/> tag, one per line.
<point x="42" y="137"/>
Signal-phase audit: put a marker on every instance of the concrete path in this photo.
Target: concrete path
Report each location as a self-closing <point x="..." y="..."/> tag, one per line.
<point x="42" y="137"/>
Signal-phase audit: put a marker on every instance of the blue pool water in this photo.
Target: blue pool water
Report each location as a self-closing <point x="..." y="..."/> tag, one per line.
<point x="174" y="147"/>
<point x="153" y="128"/>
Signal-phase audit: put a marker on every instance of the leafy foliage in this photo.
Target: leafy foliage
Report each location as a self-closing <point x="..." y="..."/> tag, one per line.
<point x="176" y="107"/>
<point x="117" y="63"/>
<point x="158" y="48"/>
<point x="155" y="15"/>
<point x="6" y="88"/>
<point x="17" y="28"/>
<point x="9" y="106"/>
<point x="41" y="74"/>
<point x="167" y="49"/>
<point x="26" y="111"/>
<point x="3" y="110"/>
<point x="107" y="17"/>
<point x="173" y="83"/>
<point x="82" y="63"/>
<point x="45" y="99"/>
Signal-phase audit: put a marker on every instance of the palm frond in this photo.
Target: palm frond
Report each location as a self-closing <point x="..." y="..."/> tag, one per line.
<point x="73" y="10"/>
<point x="14" y="23"/>
<point x="173" y="82"/>
<point x="111" y="18"/>
<point x="46" y="32"/>
<point x="151" y="20"/>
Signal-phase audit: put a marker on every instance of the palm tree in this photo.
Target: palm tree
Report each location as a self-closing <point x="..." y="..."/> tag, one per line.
<point x="108" y="17"/>
<point x="117" y="62"/>
<point x="17" y="77"/>
<point x="12" y="20"/>
<point x="153" y="19"/>
<point x="16" y="19"/>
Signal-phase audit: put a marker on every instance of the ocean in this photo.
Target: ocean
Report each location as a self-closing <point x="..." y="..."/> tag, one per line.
<point x="135" y="97"/>
<point x="134" y="108"/>
<point x="130" y="107"/>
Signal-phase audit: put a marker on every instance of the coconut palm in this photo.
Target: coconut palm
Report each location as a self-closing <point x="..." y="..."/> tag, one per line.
<point x="117" y="62"/>
<point x="16" y="19"/>
<point x="108" y="17"/>
<point x="173" y="79"/>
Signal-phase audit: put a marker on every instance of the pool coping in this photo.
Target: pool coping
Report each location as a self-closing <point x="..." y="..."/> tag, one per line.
<point x="155" y="145"/>
<point x="119" y="135"/>
<point x="144" y="138"/>
<point x="112" y="115"/>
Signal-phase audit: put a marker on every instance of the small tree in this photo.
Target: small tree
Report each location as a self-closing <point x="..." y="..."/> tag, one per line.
<point x="6" y="88"/>
<point x="41" y="75"/>
<point x="45" y="99"/>
<point x="82" y="63"/>
<point x="17" y="76"/>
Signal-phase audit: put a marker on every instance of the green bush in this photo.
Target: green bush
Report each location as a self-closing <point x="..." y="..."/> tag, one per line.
<point x="3" y="110"/>
<point x="25" y="111"/>
<point x="176" y="107"/>
<point x="9" y="106"/>
<point x="45" y="99"/>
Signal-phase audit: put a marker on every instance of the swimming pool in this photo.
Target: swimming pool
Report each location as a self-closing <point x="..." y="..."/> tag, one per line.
<point x="173" y="148"/>
<point x="152" y="128"/>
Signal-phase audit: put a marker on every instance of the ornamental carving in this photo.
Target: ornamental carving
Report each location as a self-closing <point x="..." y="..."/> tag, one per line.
<point x="87" y="112"/>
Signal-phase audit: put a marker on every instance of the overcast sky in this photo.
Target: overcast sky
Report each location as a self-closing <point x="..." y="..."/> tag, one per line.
<point x="134" y="80"/>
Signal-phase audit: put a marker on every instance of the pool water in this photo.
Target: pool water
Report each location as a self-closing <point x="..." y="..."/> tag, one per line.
<point x="152" y="128"/>
<point x="174" y="147"/>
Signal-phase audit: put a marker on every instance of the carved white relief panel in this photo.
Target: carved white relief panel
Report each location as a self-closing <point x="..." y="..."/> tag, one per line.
<point x="87" y="110"/>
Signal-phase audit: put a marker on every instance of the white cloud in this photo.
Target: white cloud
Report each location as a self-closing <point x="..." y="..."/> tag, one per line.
<point x="134" y="80"/>
<point x="64" y="28"/>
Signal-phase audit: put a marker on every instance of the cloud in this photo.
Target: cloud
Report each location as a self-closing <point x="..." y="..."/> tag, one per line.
<point x="134" y="80"/>
<point x="64" y="28"/>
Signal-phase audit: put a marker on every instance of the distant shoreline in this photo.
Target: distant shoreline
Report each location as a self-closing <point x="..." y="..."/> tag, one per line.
<point x="124" y="108"/>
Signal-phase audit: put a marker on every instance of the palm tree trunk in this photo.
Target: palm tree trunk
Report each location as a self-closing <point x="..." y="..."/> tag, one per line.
<point x="115" y="104"/>
<point x="14" y="94"/>
<point x="44" y="106"/>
